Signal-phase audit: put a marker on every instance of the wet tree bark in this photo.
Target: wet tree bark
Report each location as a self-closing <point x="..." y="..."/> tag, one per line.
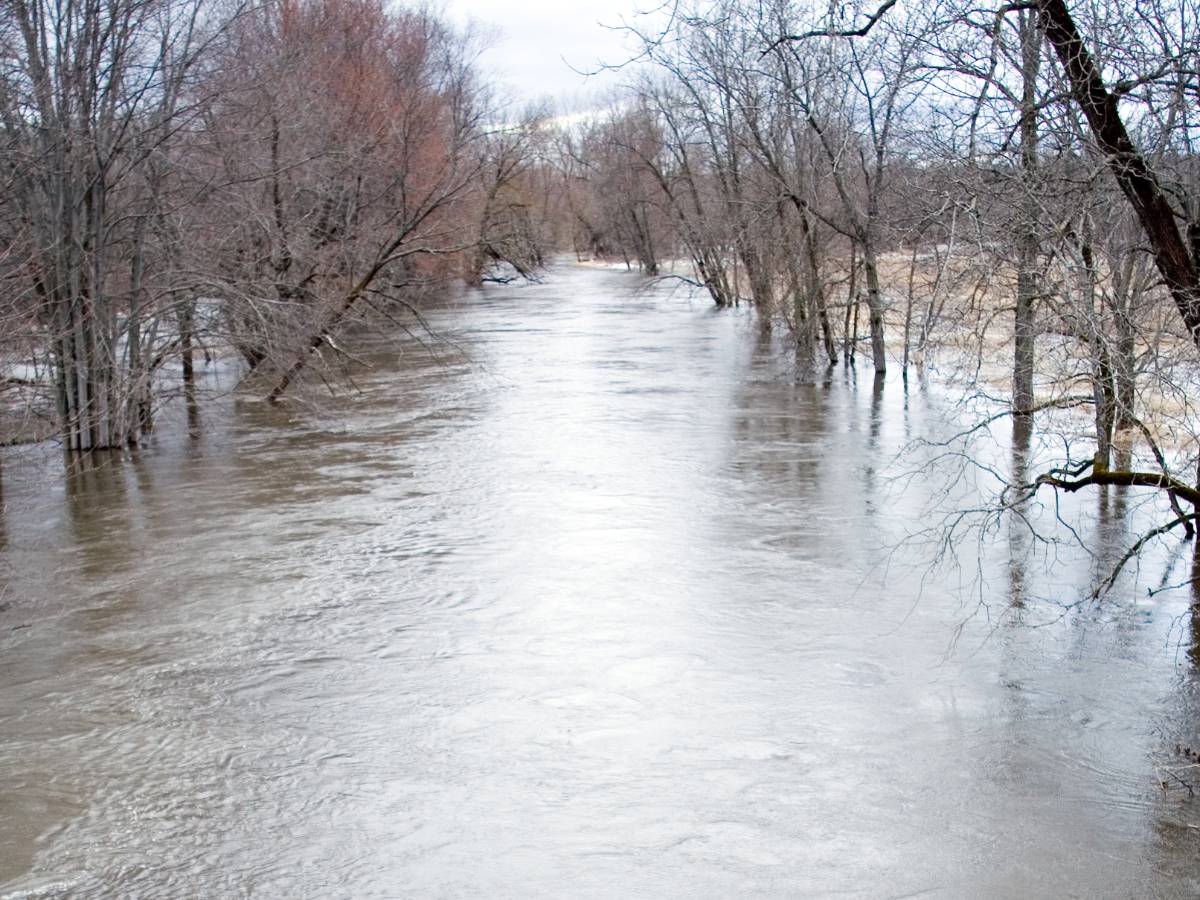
<point x="908" y="308"/>
<point x="815" y="289"/>
<point x="848" y="348"/>
<point x="1024" y="328"/>
<point x="874" y="308"/>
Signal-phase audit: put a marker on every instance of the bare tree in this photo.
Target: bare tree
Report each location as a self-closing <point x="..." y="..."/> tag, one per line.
<point x="93" y="96"/>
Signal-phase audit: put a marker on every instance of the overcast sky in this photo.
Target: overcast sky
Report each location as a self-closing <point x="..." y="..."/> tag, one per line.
<point x="534" y="37"/>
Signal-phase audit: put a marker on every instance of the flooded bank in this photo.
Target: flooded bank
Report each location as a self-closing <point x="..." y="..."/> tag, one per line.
<point x="590" y="601"/>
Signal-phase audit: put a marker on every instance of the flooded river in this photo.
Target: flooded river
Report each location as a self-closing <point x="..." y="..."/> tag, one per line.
<point x="585" y="601"/>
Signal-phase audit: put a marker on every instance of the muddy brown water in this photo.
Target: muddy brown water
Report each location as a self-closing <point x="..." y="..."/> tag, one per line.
<point x="588" y="603"/>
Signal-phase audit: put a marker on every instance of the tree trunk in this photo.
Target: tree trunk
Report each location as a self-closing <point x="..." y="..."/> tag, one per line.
<point x="1102" y="391"/>
<point x="1124" y="372"/>
<point x="848" y="340"/>
<point x="186" y="324"/>
<point x="759" y="279"/>
<point x="908" y="307"/>
<point x="1024" y="328"/>
<point x="874" y="308"/>
<point x="816" y="291"/>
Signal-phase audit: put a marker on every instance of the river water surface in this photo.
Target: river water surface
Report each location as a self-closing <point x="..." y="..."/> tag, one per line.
<point x="586" y="602"/>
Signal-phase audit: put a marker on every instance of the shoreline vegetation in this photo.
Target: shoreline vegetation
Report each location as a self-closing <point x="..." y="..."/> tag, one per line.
<point x="1004" y="193"/>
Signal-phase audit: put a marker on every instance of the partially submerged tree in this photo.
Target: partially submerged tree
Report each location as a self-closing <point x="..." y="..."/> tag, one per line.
<point x="93" y="97"/>
<point x="338" y="164"/>
<point x="181" y="172"/>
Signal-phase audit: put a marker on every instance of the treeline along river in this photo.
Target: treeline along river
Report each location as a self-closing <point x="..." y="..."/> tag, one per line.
<point x="588" y="598"/>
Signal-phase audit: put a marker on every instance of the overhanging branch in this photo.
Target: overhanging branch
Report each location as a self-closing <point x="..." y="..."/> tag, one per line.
<point x="1122" y="479"/>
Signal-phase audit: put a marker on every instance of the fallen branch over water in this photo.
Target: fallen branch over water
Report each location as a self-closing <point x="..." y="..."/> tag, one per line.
<point x="1120" y="478"/>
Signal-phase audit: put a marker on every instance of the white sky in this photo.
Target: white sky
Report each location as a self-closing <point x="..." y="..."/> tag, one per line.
<point x="534" y="37"/>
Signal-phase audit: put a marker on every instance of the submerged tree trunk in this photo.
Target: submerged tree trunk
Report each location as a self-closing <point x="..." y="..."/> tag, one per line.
<point x="908" y="307"/>
<point x="875" y="308"/>
<point x="185" y="317"/>
<point x="848" y="339"/>
<point x="815" y="288"/>
<point x="1105" y="401"/>
<point x="1028" y="239"/>
<point x="758" y="277"/>
<point x="802" y="311"/>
